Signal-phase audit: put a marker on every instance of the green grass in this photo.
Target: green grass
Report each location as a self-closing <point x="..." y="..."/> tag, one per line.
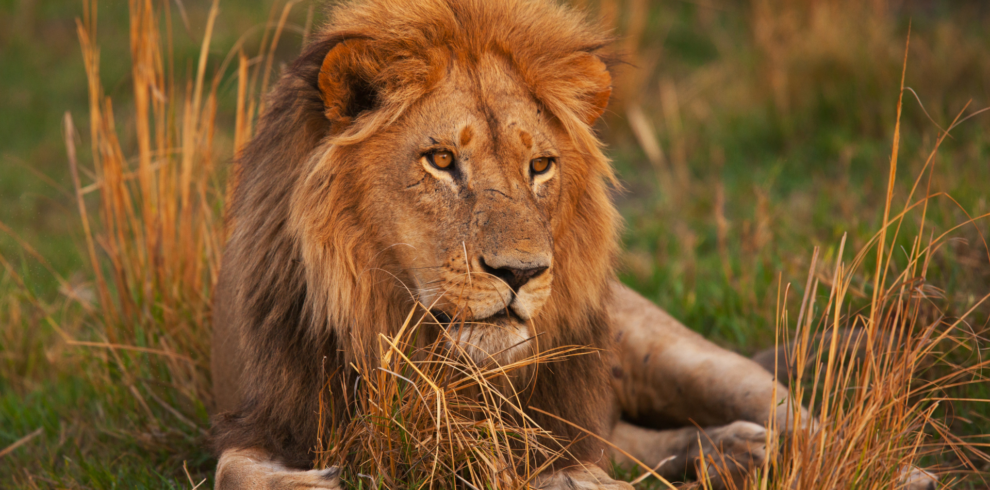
<point x="85" y="443"/>
<point x="800" y="166"/>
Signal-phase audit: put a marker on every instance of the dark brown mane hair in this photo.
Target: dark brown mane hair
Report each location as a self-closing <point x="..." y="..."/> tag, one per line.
<point x="304" y="305"/>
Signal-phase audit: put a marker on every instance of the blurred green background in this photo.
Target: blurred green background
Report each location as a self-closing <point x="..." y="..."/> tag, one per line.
<point x="745" y="133"/>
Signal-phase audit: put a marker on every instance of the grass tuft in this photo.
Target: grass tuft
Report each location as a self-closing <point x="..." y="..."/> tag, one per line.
<point x="427" y="415"/>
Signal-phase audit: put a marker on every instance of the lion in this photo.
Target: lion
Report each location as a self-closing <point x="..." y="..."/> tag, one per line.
<point x="446" y="149"/>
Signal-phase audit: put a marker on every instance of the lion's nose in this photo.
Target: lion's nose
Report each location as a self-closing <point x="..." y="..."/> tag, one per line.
<point x="515" y="276"/>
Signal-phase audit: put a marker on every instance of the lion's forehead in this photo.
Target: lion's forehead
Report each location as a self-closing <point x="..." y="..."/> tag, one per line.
<point x="478" y="113"/>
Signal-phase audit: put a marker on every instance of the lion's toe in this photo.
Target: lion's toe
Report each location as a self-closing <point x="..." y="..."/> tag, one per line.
<point x="742" y="442"/>
<point x="732" y="451"/>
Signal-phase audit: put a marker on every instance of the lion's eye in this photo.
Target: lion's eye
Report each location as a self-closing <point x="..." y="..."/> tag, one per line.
<point x="540" y="165"/>
<point x="441" y="159"/>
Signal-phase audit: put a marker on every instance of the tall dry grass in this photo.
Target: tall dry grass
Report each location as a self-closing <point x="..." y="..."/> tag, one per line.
<point x="154" y="241"/>
<point x="879" y="395"/>
<point x="880" y="377"/>
<point x="155" y="236"/>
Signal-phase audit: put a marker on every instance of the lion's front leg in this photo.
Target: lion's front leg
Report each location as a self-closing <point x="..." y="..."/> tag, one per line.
<point x="730" y="451"/>
<point x="666" y="375"/>
<point x="254" y="469"/>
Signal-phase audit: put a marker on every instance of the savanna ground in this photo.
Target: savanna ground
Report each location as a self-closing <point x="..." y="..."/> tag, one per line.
<point x="746" y="134"/>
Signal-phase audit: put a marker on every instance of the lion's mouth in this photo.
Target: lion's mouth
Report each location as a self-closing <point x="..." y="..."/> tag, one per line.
<point x="502" y="318"/>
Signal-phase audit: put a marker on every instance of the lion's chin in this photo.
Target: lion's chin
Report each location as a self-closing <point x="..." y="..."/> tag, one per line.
<point x="503" y="338"/>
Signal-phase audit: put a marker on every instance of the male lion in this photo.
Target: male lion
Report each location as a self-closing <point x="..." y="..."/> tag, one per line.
<point x="447" y="146"/>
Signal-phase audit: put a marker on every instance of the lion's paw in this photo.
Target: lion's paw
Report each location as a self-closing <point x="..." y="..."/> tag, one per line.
<point x="588" y="477"/>
<point x="731" y="452"/>
<point x="913" y="478"/>
<point x="253" y="469"/>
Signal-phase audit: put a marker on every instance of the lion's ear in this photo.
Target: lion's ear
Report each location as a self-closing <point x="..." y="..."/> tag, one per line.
<point x="596" y="83"/>
<point x="578" y="84"/>
<point x="345" y="82"/>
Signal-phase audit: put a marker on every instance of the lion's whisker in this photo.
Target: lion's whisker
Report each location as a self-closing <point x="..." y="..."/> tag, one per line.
<point x="391" y="247"/>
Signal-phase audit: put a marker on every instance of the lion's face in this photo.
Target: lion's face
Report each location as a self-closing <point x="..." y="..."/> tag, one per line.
<point x="461" y="174"/>
<point x="471" y="178"/>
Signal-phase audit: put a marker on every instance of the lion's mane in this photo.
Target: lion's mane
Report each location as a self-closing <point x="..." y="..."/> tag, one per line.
<point x="301" y="292"/>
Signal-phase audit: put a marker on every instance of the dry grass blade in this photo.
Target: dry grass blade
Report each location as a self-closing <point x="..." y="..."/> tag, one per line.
<point x="20" y="442"/>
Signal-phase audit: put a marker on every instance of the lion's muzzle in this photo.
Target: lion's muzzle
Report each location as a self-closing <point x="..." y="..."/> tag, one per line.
<point x="529" y="281"/>
<point x="479" y="291"/>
